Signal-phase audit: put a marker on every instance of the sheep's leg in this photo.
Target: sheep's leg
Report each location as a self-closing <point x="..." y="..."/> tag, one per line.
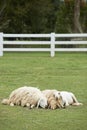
<point x="5" y="101"/>
<point x="38" y="104"/>
<point x="11" y="104"/>
<point x="77" y="104"/>
<point x="32" y="106"/>
<point x="74" y="98"/>
<point x="75" y="101"/>
<point x="66" y="104"/>
<point x="28" y="105"/>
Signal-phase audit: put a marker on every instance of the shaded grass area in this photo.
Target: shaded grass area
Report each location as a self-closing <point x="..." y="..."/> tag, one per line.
<point x="65" y="71"/>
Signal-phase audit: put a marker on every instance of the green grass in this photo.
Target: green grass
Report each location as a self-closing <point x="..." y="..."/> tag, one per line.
<point x="65" y="71"/>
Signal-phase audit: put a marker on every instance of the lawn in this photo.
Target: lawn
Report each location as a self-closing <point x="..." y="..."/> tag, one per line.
<point x="65" y="71"/>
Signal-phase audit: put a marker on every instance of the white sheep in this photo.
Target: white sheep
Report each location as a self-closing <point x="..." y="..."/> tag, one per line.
<point x="34" y="98"/>
<point x="54" y="98"/>
<point x="15" y="96"/>
<point x="26" y="96"/>
<point x="68" y="98"/>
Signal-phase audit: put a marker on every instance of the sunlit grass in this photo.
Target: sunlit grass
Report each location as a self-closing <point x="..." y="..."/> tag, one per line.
<point x="65" y="71"/>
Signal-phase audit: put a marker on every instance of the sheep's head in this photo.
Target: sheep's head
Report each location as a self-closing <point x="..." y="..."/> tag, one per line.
<point x="42" y="102"/>
<point x="60" y="102"/>
<point x="52" y="103"/>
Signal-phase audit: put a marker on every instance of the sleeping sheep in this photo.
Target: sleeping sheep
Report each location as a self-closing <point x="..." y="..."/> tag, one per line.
<point x="26" y="96"/>
<point x="68" y="98"/>
<point x="54" y="99"/>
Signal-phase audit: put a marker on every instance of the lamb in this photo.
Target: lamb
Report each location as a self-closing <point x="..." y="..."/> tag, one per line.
<point x="54" y="99"/>
<point x="26" y="96"/>
<point x="68" y="98"/>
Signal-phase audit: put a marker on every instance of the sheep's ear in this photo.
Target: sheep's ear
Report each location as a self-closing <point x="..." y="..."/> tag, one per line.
<point x="55" y="97"/>
<point x="59" y="93"/>
<point x="54" y="94"/>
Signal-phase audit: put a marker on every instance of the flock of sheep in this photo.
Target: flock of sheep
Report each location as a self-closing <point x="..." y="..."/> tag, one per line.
<point x="33" y="97"/>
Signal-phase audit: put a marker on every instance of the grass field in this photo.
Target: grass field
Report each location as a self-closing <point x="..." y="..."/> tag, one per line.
<point x="66" y="71"/>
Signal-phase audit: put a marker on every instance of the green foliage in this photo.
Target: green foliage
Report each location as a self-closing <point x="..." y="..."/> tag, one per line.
<point x="28" y="16"/>
<point x="4" y="21"/>
<point x="65" y="16"/>
<point x="83" y="18"/>
<point x="39" y="16"/>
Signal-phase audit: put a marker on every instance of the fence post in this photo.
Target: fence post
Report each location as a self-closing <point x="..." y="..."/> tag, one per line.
<point x="52" y="44"/>
<point x="1" y="44"/>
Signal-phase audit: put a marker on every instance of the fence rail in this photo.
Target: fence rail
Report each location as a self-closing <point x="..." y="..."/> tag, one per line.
<point x="54" y="42"/>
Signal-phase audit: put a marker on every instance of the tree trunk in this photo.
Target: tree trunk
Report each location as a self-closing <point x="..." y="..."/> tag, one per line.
<point x="77" y="25"/>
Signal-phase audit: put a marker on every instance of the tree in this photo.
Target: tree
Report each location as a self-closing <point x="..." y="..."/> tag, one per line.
<point x="72" y="17"/>
<point x="28" y="16"/>
<point x="39" y="16"/>
<point x="64" y="22"/>
<point x="3" y="21"/>
<point x="77" y="24"/>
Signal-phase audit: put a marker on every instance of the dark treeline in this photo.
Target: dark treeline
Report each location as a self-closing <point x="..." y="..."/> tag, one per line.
<point x="40" y="16"/>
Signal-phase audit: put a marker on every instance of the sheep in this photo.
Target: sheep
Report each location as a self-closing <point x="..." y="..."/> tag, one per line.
<point x="54" y="99"/>
<point x="54" y="103"/>
<point x="69" y="98"/>
<point x="26" y="96"/>
<point x="15" y="96"/>
<point x="30" y="100"/>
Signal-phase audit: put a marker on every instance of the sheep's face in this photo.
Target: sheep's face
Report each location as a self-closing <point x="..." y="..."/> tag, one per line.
<point x="43" y="102"/>
<point x="59" y="99"/>
<point x="52" y="103"/>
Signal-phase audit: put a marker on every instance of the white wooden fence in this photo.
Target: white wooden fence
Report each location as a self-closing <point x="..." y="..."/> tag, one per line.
<point x="54" y="39"/>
